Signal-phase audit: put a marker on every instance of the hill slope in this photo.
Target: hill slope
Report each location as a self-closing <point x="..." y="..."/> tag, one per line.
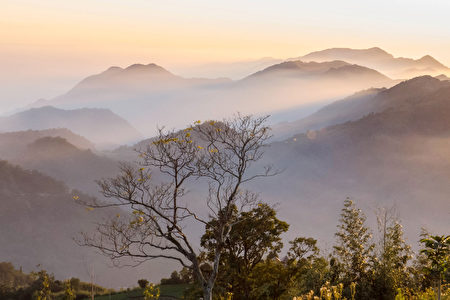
<point x="38" y="223"/>
<point x="13" y="144"/>
<point x="362" y="104"/>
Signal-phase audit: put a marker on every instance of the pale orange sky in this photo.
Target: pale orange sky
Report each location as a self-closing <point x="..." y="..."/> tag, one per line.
<point x="48" y="45"/>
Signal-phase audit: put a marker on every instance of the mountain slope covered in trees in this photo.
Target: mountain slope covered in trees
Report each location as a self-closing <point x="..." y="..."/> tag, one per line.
<point x="363" y="103"/>
<point x="40" y="221"/>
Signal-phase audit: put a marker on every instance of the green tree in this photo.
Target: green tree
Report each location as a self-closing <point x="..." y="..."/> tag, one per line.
<point x="310" y="270"/>
<point x="44" y="292"/>
<point x="151" y="292"/>
<point x="391" y="264"/>
<point x="69" y="293"/>
<point x="186" y="275"/>
<point x="301" y="270"/>
<point x="11" y="279"/>
<point x="254" y="236"/>
<point x="354" y="249"/>
<point x="143" y="283"/>
<point x="271" y="279"/>
<point x="437" y="251"/>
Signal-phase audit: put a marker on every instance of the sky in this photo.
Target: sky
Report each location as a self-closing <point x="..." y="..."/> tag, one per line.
<point x="47" y="46"/>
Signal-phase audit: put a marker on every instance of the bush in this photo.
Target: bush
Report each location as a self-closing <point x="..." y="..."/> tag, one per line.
<point x="143" y="283"/>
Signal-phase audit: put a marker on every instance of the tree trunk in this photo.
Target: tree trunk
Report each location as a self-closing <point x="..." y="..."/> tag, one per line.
<point x="439" y="287"/>
<point x="207" y="293"/>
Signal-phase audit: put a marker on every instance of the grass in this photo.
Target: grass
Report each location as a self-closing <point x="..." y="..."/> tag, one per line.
<point x="173" y="290"/>
<point x="169" y="291"/>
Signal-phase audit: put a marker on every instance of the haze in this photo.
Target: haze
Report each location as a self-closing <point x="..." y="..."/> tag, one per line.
<point x="48" y="46"/>
<point x="358" y="94"/>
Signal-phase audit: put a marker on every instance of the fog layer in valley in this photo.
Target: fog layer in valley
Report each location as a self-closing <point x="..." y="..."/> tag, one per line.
<point x="384" y="142"/>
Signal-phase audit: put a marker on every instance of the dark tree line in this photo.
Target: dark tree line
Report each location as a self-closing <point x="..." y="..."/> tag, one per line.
<point x="18" y="285"/>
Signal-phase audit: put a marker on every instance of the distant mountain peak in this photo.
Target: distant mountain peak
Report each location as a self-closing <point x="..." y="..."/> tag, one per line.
<point x="53" y="109"/>
<point x="299" y="65"/>
<point x="344" y="53"/>
<point x="113" y="69"/>
<point x="418" y="81"/>
<point x="415" y="86"/>
<point x="52" y="143"/>
<point x="429" y="60"/>
<point x="146" y="68"/>
<point x="378" y="50"/>
<point x="43" y="108"/>
<point x="120" y="75"/>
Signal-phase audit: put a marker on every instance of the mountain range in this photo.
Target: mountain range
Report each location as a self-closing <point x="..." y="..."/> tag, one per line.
<point x="361" y="104"/>
<point x="149" y="95"/>
<point x="378" y="59"/>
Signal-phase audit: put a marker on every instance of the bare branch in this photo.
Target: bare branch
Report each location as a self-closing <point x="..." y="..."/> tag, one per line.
<point x="154" y="217"/>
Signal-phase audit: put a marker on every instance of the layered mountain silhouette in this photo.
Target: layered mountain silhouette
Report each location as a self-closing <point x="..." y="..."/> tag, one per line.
<point x="362" y="104"/>
<point x="376" y="58"/>
<point x="149" y="95"/>
<point x="57" y="157"/>
<point x="332" y="69"/>
<point x="13" y="144"/>
<point x="312" y="80"/>
<point x="134" y="79"/>
<point x="100" y="126"/>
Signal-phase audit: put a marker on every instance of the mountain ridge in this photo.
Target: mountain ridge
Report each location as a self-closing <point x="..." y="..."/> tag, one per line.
<point x="382" y="61"/>
<point x="101" y="126"/>
<point x="176" y="101"/>
<point x="397" y="156"/>
<point x="363" y="103"/>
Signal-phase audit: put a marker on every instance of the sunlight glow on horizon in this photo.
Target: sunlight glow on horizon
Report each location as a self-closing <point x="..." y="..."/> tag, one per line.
<point x="64" y="41"/>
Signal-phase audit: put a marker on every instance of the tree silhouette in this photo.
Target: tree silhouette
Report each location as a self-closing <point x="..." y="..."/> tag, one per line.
<point x="437" y="251"/>
<point x="219" y="153"/>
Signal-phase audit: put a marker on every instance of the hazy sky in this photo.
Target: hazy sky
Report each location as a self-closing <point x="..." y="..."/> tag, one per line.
<point x="46" y="46"/>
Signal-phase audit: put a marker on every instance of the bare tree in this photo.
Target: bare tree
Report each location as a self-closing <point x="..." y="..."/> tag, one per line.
<point x="219" y="153"/>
